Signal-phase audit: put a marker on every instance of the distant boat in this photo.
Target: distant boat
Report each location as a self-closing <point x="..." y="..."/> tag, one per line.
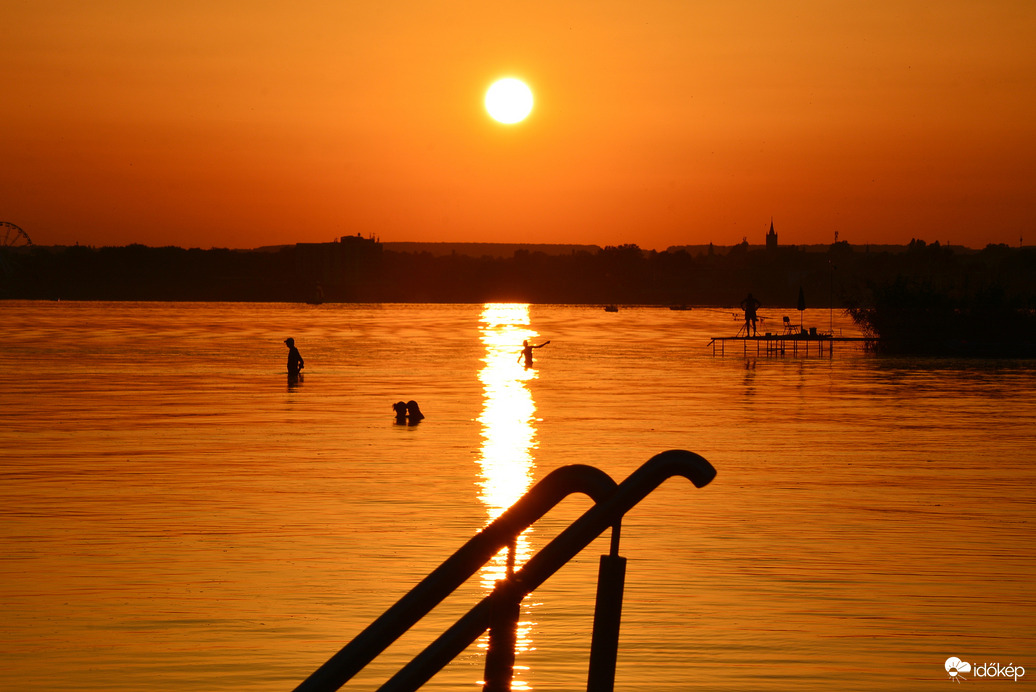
<point x="679" y="307"/>
<point x="611" y="308"/>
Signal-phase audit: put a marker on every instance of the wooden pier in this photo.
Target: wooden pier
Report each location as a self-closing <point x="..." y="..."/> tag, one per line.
<point x="782" y="344"/>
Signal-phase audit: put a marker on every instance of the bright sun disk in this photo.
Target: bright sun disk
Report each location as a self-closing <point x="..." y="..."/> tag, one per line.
<point x="509" y="100"/>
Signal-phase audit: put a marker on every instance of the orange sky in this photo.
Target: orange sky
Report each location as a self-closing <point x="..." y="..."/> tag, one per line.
<point x="235" y="123"/>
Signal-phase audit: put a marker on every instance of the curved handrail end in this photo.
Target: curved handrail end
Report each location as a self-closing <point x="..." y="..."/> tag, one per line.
<point x="691" y="466"/>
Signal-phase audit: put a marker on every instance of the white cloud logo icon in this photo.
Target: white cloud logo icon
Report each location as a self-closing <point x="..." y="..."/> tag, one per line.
<point x="955" y="666"/>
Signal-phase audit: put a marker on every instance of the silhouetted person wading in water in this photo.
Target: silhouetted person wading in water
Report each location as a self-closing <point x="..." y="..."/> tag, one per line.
<point x="527" y="352"/>
<point x="295" y="362"/>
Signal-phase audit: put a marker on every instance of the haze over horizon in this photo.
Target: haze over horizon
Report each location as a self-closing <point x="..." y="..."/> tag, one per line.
<point x="226" y="124"/>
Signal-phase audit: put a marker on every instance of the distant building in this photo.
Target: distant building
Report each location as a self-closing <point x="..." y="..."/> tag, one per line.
<point x="771" y="238"/>
<point x="358" y="241"/>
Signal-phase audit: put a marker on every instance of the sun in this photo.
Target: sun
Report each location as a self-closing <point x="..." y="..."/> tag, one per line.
<point x="509" y="101"/>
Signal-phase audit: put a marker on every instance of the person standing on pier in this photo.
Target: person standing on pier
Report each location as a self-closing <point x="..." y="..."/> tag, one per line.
<point x="750" y="305"/>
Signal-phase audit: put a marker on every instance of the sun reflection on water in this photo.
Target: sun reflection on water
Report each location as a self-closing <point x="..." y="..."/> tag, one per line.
<point x="508" y="437"/>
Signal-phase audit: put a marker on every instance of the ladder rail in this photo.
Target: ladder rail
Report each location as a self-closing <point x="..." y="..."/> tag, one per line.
<point x="552" y="557"/>
<point x="455" y="570"/>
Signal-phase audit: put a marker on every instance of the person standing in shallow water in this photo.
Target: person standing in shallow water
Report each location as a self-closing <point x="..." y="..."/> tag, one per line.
<point x="527" y="352"/>
<point x="295" y="362"/>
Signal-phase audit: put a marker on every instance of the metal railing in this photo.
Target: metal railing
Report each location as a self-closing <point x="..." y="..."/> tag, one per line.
<point x="498" y="611"/>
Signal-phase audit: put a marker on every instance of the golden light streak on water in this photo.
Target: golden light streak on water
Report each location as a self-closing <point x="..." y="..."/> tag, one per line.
<point x="508" y="423"/>
<point x="508" y="437"/>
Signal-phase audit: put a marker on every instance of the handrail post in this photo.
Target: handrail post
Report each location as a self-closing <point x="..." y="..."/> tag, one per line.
<point x="604" y="644"/>
<point x="503" y="638"/>
<point x="503" y="633"/>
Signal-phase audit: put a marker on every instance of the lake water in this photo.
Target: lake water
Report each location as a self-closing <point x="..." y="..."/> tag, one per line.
<point x="175" y="515"/>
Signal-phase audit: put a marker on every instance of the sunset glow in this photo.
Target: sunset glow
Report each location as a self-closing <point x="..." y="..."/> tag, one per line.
<point x="656" y="123"/>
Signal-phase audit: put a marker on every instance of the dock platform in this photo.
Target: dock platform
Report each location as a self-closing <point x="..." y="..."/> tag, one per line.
<point x="782" y="344"/>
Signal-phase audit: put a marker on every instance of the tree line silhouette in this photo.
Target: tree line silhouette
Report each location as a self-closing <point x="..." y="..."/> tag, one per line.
<point x="364" y="271"/>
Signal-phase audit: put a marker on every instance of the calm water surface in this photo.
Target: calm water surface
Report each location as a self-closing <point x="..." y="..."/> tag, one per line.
<point x="176" y="516"/>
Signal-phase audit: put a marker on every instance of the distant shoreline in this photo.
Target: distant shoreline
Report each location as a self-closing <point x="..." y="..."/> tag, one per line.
<point x="475" y="249"/>
<point x="363" y="270"/>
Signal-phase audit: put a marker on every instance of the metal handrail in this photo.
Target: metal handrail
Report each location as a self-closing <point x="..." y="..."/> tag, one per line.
<point x="611" y="504"/>
<point x="458" y="568"/>
<point x="549" y="560"/>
